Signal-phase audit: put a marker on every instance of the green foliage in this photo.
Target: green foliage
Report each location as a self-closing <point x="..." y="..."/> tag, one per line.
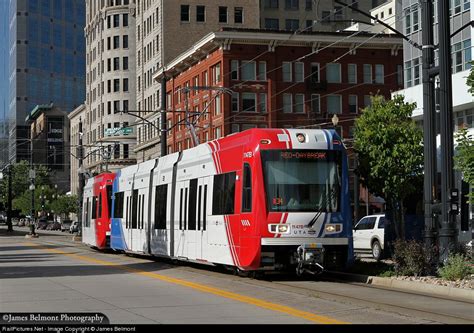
<point x="411" y="258"/>
<point x="21" y="180"/>
<point x="65" y="204"/>
<point x="389" y="146"/>
<point x="456" y="268"/>
<point x="464" y="158"/>
<point x="23" y="202"/>
<point x="390" y="152"/>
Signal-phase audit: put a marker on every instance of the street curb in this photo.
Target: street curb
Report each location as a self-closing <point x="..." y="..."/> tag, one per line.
<point x="461" y="294"/>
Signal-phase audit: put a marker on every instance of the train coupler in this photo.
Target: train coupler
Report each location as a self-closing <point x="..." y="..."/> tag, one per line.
<point x="310" y="258"/>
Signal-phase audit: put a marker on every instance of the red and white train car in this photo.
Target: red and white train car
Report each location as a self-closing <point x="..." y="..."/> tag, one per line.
<point x="96" y="211"/>
<point x="256" y="200"/>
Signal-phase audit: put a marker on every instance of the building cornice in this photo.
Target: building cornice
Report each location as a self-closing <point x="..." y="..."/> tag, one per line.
<point x="225" y="39"/>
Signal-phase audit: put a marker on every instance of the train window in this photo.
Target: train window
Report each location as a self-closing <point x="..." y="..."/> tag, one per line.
<point x="108" y="190"/>
<point x="139" y="211"/>
<point x="86" y="213"/>
<point x="94" y="208"/>
<point x="181" y="210"/>
<point x="223" y="194"/>
<point x="127" y="216"/>
<point x="143" y="211"/>
<point x="134" y="209"/>
<point x="100" y="206"/>
<point x="247" y="189"/>
<point x="192" y="204"/>
<point x="199" y="207"/>
<point x="204" y="209"/>
<point x="161" y="198"/>
<point x="118" y="205"/>
<point x="185" y="207"/>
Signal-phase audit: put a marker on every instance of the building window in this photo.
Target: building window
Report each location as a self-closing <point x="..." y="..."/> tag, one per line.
<point x="116" y="85"/>
<point x="116" y="108"/>
<point x="116" y="21"/>
<point x="200" y="13"/>
<point x="367" y="73"/>
<point x="299" y="103"/>
<point x="125" y="63"/>
<point x="353" y="103"/>
<point x="367" y="101"/>
<point x="271" y="4"/>
<point x="333" y="73"/>
<point x="249" y="70"/>
<point x="292" y="24"/>
<point x="379" y="74"/>
<point x="309" y="4"/>
<point x="408" y="74"/>
<point x="125" y="20"/>
<point x="116" y="42"/>
<point x="184" y="13"/>
<point x="287" y="72"/>
<point x="292" y="4"/>
<point x="299" y="72"/>
<point x="235" y="102"/>
<point x="272" y="24"/>
<point x="125" y="42"/>
<point x="352" y="73"/>
<point x="334" y="104"/>
<point x="222" y="14"/>
<point x="249" y="102"/>
<point x="125" y="85"/>
<point x="238" y="15"/>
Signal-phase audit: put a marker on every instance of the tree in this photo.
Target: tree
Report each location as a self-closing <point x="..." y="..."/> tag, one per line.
<point x="21" y="180"/>
<point x="464" y="158"/>
<point x="65" y="204"/>
<point x="390" y="152"/>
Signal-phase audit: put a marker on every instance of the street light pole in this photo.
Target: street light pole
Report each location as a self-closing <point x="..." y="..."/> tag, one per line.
<point x="429" y="133"/>
<point x="9" y="203"/>
<point x="80" y="155"/>
<point x="447" y="232"/>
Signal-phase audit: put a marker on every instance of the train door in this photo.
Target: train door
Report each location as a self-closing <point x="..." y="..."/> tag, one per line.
<point x="133" y="220"/>
<point x="182" y="194"/>
<point x="138" y="232"/>
<point x="191" y="229"/>
<point x="202" y="204"/>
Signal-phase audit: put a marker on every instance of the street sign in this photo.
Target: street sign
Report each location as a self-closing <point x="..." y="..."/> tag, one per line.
<point x="118" y="131"/>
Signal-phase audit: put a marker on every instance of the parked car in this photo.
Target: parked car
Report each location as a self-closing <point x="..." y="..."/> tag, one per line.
<point x="54" y="226"/>
<point x="369" y="235"/>
<point x="75" y="226"/>
<point x="42" y="223"/>
<point x="66" y="225"/>
<point x="3" y="219"/>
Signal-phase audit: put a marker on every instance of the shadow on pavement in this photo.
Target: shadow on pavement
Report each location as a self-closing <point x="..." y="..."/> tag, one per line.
<point x="30" y="271"/>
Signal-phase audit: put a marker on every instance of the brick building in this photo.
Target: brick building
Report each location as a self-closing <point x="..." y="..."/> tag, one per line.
<point x="275" y="79"/>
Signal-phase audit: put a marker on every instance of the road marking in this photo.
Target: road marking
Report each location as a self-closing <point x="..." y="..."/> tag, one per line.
<point x="203" y="288"/>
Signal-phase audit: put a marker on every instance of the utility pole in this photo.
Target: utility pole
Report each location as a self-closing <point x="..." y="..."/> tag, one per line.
<point x="429" y="133"/>
<point x="447" y="233"/>
<point x="80" y="155"/>
<point x="164" y="146"/>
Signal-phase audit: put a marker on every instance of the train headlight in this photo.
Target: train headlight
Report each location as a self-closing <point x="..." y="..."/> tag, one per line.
<point x="279" y="228"/>
<point x="301" y="137"/>
<point x="333" y="228"/>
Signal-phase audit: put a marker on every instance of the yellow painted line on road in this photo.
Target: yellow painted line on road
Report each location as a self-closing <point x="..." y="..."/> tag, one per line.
<point x="203" y="288"/>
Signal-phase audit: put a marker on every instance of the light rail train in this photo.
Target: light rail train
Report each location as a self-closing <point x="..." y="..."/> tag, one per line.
<point x="262" y="199"/>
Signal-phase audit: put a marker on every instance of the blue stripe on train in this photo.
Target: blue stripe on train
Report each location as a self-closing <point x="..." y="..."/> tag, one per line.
<point x="117" y="239"/>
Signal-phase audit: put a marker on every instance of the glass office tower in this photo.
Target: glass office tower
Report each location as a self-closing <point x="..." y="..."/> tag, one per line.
<point x="46" y="62"/>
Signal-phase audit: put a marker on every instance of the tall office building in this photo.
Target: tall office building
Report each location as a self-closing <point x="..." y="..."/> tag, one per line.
<point x="110" y="79"/>
<point x="165" y="29"/>
<point x="46" y="62"/>
<point x="4" y="100"/>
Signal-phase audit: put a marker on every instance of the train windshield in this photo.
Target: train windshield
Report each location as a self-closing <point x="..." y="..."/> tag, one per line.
<point x="302" y="180"/>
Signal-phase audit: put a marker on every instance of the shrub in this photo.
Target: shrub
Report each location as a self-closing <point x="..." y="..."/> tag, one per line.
<point x="456" y="268"/>
<point x="411" y="258"/>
